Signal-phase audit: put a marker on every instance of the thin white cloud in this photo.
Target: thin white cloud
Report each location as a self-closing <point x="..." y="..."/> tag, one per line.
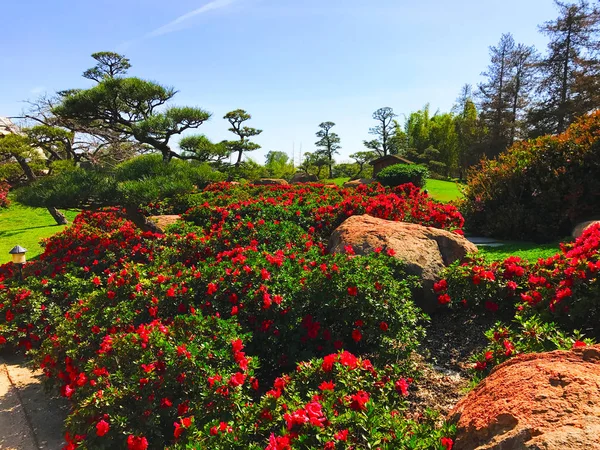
<point x="179" y="23"/>
<point x="37" y="90"/>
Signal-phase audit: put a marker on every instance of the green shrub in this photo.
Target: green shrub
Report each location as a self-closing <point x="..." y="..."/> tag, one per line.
<point x="403" y="173"/>
<point x="539" y="189"/>
<point x="135" y="182"/>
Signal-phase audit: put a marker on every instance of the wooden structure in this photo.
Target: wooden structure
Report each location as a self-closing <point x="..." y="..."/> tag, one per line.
<point x="385" y="161"/>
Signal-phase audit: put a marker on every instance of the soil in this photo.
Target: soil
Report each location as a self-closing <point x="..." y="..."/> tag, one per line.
<point x="444" y="359"/>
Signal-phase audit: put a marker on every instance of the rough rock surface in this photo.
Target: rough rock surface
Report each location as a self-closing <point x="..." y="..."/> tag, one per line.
<point x="301" y="177"/>
<point x="547" y="401"/>
<point x="425" y="250"/>
<point x="355" y="183"/>
<point x="270" y="181"/>
<point x="164" y="221"/>
<point x="580" y="228"/>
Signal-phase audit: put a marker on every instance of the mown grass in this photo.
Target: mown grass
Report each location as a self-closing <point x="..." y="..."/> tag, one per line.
<point x="443" y="191"/>
<point x="337" y="181"/>
<point x="20" y="225"/>
<point x="525" y="250"/>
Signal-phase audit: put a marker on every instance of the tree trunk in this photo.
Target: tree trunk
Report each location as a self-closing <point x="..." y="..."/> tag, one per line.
<point x="142" y="222"/>
<point x="359" y="172"/>
<point x="57" y="215"/>
<point x="25" y="167"/>
<point x="513" y="129"/>
<point x="564" y="88"/>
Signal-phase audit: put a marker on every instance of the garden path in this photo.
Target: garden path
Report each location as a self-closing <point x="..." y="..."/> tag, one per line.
<point x="30" y="419"/>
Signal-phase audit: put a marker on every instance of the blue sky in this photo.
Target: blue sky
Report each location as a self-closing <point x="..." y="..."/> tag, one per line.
<point x="290" y="64"/>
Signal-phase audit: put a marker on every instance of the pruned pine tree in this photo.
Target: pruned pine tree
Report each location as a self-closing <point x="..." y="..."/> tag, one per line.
<point x="328" y="144"/>
<point x="243" y="144"/>
<point x="384" y="132"/>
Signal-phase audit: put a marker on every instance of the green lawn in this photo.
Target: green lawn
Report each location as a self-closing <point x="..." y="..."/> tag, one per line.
<point x="526" y="250"/>
<point x="338" y="181"/>
<point x="24" y="226"/>
<point x="443" y="191"/>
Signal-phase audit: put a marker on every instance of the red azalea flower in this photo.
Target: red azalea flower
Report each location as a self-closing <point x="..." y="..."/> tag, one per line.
<point x="341" y="435"/>
<point x="443" y="299"/>
<point x="359" y="400"/>
<point x="328" y="361"/>
<point x="349" y="360"/>
<point x="278" y="443"/>
<point x="353" y="291"/>
<point x="579" y="344"/>
<point x="383" y="326"/>
<point x="356" y="335"/>
<point x="178" y="430"/>
<point x="237" y="379"/>
<point x="440" y="286"/>
<point x="447" y="443"/>
<point x="211" y="289"/>
<point x="137" y="442"/>
<point x="402" y="386"/>
<point x="327" y="386"/>
<point x="102" y="428"/>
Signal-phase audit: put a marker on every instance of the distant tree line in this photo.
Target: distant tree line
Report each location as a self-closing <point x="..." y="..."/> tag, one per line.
<point x="524" y="94"/>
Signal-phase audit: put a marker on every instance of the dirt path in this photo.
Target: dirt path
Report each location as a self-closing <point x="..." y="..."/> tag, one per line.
<point x="30" y="419"/>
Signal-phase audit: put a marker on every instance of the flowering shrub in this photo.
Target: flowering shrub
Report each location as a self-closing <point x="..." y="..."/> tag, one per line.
<point x="563" y="287"/>
<point x="153" y="381"/>
<point x="527" y="335"/>
<point x="163" y="340"/>
<point x="538" y="189"/>
<point x="4" y="201"/>
<point x="339" y="401"/>
<point x="315" y="207"/>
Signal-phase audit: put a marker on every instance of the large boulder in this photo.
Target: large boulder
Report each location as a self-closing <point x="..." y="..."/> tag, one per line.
<point x="162" y="222"/>
<point x="425" y="250"/>
<point x="301" y="177"/>
<point x="270" y="182"/>
<point x="358" y="182"/>
<point x="547" y="401"/>
<point x="581" y="227"/>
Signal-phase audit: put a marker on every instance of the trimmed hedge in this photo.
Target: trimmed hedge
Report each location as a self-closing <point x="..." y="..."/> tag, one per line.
<point x="539" y="189"/>
<point x="403" y="173"/>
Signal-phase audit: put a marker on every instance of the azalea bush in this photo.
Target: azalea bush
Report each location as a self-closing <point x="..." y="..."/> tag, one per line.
<point x="524" y="335"/>
<point x="338" y="401"/>
<point x="315" y="207"/>
<point x="173" y="340"/>
<point x="4" y="201"/>
<point x="562" y="288"/>
<point x="543" y="304"/>
<point x="539" y="189"/>
<point x="152" y="382"/>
